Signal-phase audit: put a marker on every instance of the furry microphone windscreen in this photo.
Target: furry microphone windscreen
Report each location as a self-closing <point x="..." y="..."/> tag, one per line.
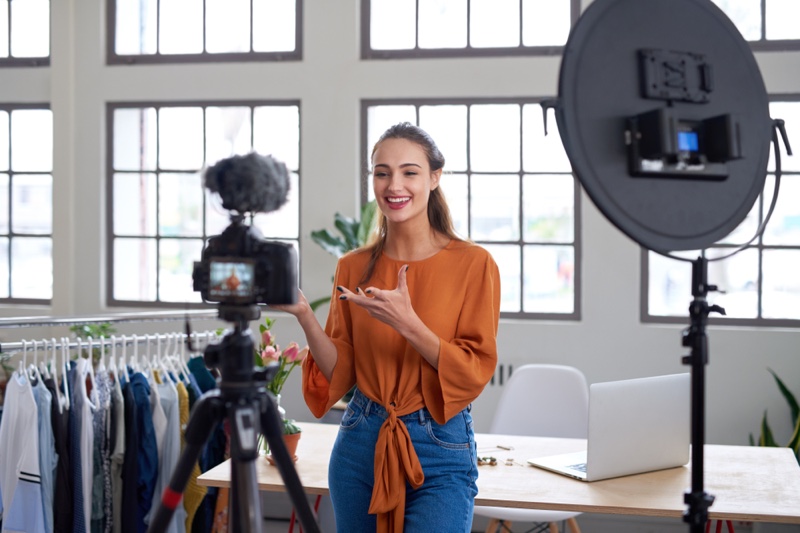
<point x="249" y="183"/>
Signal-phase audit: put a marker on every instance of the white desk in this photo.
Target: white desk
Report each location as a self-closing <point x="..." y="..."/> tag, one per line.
<point x="749" y="483"/>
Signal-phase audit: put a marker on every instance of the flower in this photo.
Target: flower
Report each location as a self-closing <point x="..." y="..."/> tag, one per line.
<point x="268" y="352"/>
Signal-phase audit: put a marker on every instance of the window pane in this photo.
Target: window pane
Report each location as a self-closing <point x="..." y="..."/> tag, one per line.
<point x="276" y="131"/>
<point x="545" y="23"/>
<point x="32" y="140"/>
<point x="784" y="226"/>
<point x="4" y="266"/>
<point x="447" y="125"/>
<point x="738" y="277"/>
<point x="32" y="267"/>
<point x="135" y="138"/>
<point x="180" y="135"/>
<point x="30" y="28"/>
<point x="4" y="227"/>
<point x="283" y="223"/>
<point x="494" y="23"/>
<point x="227" y="132"/>
<point x="745" y="14"/>
<point x="3" y="28"/>
<point x="508" y="261"/>
<point x="135" y="269"/>
<point x="180" y="198"/>
<point x="392" y="24"/>
<point x="227" y="26"/>
<point x="380" y="118"/>
<point x="180" y="28"/>
<point x="495" y="207"/>
<point x="781" y="297"/>
<point x="135" y="31"/>
<point x="443" y="24"/>
<point x="549" y="279"/>
<point x="217" y="218"/>
<point x="4" y="148"/>
<point x="494" y="138"/>
<point x="32" y="198"/>
<point x="176" y="261"/>
<point x="134" y="204"/>
<point x="548" y="208"/>
<point x="669" y="284"/>
<point x="789" y="112"/>
<point x="782" y="17"/>
<point x="454" y="187"/>
<point x="274" y="22"/>
<point x="540" y="152"/>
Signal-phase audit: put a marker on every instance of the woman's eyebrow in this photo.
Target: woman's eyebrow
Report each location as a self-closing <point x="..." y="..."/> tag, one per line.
<point x="401" y="166"/>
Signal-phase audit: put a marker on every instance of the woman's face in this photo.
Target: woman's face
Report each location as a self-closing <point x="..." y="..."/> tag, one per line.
<point x="402" y="180"/>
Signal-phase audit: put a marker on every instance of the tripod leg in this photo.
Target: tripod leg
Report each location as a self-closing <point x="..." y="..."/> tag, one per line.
<point x="244" y="502"/>
<point x="272" y="428"/>
<point x="207" y="413"/>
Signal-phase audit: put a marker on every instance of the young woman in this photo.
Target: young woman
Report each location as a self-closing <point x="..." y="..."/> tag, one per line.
<point x="413" y="324"/>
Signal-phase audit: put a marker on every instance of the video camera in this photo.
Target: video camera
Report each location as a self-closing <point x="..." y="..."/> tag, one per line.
<point x="239" y="267"/>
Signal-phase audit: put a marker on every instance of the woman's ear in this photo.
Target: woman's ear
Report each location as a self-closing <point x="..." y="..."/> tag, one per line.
<point x="436" y="175"/>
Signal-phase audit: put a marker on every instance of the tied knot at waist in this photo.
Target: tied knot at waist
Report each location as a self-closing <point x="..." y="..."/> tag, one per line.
<point x="395" y="462"/>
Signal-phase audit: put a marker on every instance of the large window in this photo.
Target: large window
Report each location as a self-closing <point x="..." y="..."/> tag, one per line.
<point x="25" y="32"/>
<point x="762" y="282"/>
<point x="767" y="24"/>
<point x="149" y="31"/>
<point x="509" y="188"/>
<point x="159" y="213"/>
<point x="26" y="207"/>
<point x="439" y="28"/>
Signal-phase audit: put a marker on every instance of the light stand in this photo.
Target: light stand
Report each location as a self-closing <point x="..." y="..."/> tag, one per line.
<point x="694" y="337"/>
<point x="243" y="399"/>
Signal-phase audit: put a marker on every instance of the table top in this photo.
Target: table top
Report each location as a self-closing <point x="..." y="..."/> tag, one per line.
<point x="749" y="483"/>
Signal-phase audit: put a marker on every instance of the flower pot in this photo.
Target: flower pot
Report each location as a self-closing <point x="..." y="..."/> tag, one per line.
<point x="291" y="442"/>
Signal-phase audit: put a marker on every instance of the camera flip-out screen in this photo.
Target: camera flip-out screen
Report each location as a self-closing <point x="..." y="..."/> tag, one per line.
<point x="231" y="279"/>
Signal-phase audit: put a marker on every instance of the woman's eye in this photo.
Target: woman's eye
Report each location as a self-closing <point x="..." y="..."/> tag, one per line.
<point x="409" y="173"/>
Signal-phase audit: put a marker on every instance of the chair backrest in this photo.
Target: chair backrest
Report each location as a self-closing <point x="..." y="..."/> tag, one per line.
<point x="543" y="401"/>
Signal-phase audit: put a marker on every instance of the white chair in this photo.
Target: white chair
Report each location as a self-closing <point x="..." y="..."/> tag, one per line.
<point x="542" y="401"/>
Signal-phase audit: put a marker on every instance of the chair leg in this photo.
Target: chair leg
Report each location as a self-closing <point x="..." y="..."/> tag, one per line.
<point x="553" y="527"/>
<point x="492" y="527"/>
<point x="573" y="525"/>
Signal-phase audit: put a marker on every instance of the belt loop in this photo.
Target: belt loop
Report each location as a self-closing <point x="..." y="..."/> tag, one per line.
<point x="367" y="407"/>
<point x="421" y="417"/>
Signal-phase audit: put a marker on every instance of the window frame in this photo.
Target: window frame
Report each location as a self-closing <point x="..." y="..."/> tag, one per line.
<point x="577" y="244"/>
<point x="771" y="45"/>
<point x="109" y="181"/>
<point x="644" y="296"/>
<point x="468" y="51"/>
<point x="8" y="107"/>
<point x="112" y="58"/>
<point x="43" y="61"/>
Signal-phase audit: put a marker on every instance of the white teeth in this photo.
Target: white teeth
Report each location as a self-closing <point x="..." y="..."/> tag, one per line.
<point x="396" y="200"/>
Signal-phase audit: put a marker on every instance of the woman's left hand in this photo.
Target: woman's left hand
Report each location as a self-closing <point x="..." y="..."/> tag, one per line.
<point x="390" y="306"/>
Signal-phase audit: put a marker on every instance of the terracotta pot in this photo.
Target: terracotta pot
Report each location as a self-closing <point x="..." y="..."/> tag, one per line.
<point x="291" y="442"/>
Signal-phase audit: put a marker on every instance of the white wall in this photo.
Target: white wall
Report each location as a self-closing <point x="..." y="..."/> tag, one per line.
<point x="608" y="343"/>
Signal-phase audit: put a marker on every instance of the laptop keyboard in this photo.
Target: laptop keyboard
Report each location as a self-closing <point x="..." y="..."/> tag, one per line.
<point x="580" y="467"/>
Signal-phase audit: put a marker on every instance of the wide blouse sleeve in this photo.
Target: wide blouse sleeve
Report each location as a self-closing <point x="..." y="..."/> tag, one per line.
<point x="468" y="360"/>
<point x="320" y="395"/>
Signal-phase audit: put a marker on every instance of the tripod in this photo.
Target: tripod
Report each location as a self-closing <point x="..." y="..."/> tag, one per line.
<point x="243" y="399"/>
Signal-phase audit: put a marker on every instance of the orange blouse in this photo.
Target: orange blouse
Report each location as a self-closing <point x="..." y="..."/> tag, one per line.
<point x="456" y="293"/>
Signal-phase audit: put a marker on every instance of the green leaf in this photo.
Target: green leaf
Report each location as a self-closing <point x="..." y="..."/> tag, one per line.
<point x="318" y="302"/>
<point x="365" y="227"/>
<point x="766" y="433"/>
<point x="794" y="442"/>
<point x="333" y="245"/>
<point x="793" y="406"/>
<point x="348" y="227"/>
<point x="290" y="427"/>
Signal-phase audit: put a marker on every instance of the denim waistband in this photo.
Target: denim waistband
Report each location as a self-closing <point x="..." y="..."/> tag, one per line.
<point x="372" y="407"/>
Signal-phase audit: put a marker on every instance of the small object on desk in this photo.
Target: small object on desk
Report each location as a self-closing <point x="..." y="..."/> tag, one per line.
<point x="272" y="461"/>
<point x="491" y="461"/>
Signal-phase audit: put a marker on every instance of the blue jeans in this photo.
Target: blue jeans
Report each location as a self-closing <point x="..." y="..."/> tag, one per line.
<point x="446" y="452"/>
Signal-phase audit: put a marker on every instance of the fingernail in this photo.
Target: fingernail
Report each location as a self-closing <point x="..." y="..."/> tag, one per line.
<point x="368" y="291"/>
<point x="339" y="288"/>
<point x="343" y="297"/>
<point x="358" y="289"/>
<point x="406" y="268"/>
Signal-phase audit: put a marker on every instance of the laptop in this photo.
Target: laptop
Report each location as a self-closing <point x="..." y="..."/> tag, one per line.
<point x="635" y="426"/>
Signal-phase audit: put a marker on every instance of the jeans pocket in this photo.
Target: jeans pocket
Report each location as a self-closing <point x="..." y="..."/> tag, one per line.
<point x="353" y="415"/>
<point x="456" y="434"/>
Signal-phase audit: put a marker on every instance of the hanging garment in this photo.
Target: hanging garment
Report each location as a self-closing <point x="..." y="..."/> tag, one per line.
<point x="145" y="449"/>
<point x="47" y="451"/>
<point x="20" y="479"/>
<point x="117" y="446"/>
<point x="130" y="465"/>
<point x="62" y="497"/>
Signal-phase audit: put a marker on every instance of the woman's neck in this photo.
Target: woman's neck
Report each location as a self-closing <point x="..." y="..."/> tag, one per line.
<point x="407" y="244"/>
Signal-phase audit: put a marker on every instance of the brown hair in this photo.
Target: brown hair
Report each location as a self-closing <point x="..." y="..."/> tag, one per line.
<point x="438" y="212"/>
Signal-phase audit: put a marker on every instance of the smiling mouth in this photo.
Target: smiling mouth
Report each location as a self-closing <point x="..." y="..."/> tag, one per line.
<point x="397" y="202"/>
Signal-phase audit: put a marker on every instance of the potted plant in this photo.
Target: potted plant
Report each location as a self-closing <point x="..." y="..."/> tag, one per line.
<point x="766" y="438"/>
<point x="268" y="352"/>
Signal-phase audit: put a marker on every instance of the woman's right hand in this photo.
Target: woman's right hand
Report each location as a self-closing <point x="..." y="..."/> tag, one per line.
<point x="297" y="309"/>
